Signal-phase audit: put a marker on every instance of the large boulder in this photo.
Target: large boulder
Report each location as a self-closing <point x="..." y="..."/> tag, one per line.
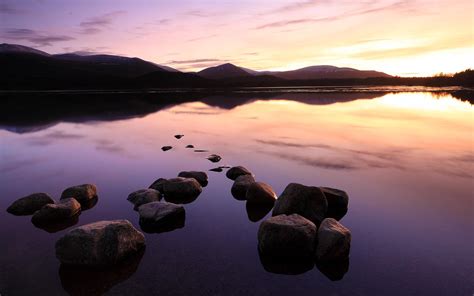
<point x="143" y="196"/>
<point x="28" y="205"/>
<point x="161" y="216"/>
<point x="287" y="236"/>
<point x="241" y="185"/>
<point x="338" y="201"/>
<point x="234" y="172"/>
<point x="64" y="210"/>
<point x="259" y="192"/>
<point x="82" y="193"/>
<point x="201" y="177"/>
<point x="102" y="243"/>
<point x="307" y="201"/>
<point x="181" y="190"/>
<point x="334" y="241"/>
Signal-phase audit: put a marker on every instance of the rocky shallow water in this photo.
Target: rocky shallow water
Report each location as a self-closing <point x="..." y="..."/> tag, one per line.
<point x="405" y="160"/>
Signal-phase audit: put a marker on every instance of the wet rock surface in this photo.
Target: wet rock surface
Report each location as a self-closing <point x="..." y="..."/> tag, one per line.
<point x="234" y="172"/>
<point x="181" y="190"/>
<point x="59" y="212"/>
<point x="260" y="192"/>
<point x="82" y="193"/>
<point x="28" y="205"/>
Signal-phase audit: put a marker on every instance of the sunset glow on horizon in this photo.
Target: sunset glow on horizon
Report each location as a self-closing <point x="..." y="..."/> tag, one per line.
<point x="399" y="37"/>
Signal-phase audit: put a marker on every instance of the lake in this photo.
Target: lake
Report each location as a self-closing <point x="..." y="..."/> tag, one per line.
<point x="405" y="158"/>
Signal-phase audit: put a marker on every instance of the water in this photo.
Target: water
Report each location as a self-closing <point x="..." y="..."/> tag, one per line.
<point x="405" y="159"/>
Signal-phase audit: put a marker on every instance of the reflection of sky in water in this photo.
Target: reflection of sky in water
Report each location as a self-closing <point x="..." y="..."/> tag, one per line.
<point x="405" y="159"/>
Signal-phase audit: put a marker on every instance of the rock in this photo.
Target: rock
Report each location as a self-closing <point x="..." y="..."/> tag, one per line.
<point x="28" y="205"/>
<point x="334" y="270"/>
<point x="201" y="177"/>
<point x="178" y="136"/>
<point x="334" y="241"/>
<point x="181" y="190"/>
<point x="58" y="212"/>
<point x="143" y="196"/>
<point x="218" y="169"/>
<point x="189" y="146"/>
<point x="102" y="243"/>
<point x="240" y="186"/>
<point x="161" y="217"/>
<point x="285" y="236"/>
<point x="214" y="158"/>
<point x="158" y="184"/>
<point x="307" y="201"/>
<point x="82" y="193"/>
<point x="259" y="192"/>
<point x="166" y="148"/>
<point x="338" y="201"/>
<point x="288" y="266"/>
<point x="201" y="150"/>
<point x="89" y="204"/>
<point x="237" y="171"/>
<point x="256" y="211"/>
<point x="55" y="226"/>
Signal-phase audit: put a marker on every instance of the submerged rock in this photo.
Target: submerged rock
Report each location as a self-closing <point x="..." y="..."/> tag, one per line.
<point x="102" y="243"/>
<point x="28" y="205"/>
<point x="285" y="236"/>
<point x="178" y="136"/>
<point x="58" y="212"/>
<point x="201" y="177"/>
<point x="214" y="158"/>
<point x="241" y="185"/>
<point x="161" y="216"/>
<point x="334" y="241"/>
<point x="166" y="148"/>
<point x="307" y="201"/>
<point x="234" y="172"/>
<point x="82" y="193"/>
<point x="181" y="190"/>
<point x="259" y="192"/>
<point x="338" y="201"/>
<point x="143" y="196"/>
<point x="189" y="146"/>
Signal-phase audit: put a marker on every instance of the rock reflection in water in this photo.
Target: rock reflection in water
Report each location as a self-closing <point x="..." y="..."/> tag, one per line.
<point x="77" y="280"/>
<point x="256" y="211"/>
<point x="89" y="204"/>
<point x="286" y="265"/>
<point x="334" y="270"/>
<point x="55" y="226"/>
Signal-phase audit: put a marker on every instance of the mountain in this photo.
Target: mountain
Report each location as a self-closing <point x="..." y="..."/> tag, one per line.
<point x="326" y="72"/>
<point x="224" y="71"/>
<point x="15" y="48"/>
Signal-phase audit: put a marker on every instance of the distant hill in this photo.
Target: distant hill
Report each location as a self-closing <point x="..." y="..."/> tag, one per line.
<point x="224" y="71"/>
<point x="15" y="48"/>
<point x="326" y="72"/>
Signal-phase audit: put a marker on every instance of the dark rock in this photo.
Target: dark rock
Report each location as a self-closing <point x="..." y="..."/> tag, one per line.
<point x="166" y="148"/>
<point x="158" y="184"/>
<point x="82" y="280"/>
<point x="143" y="196"/>
<point x="28" y="205"/>
<point x="218" y="170"/>
<point x="334" y="241"/>
<point x="214" y="158"/>
<point x="189" y="146"/>
<point x="201" y="177"/>
<point x="307" y="201"/>
<point x="259" y="192"/>
<point x="156" y="217"/>
<point x="286" y="265"/>
<point x="64" y="210"/>
<point x="181" y="190"/>
<point x="285" y="236"/>
<point x="241" y="185"/>
<point x="178" y="136"/>
<point x="56" y="226"/>
<point x="89" y="204"/>
<point x="82" y="193"/>
<point x="237" y="171"/>
<point x="334" y="270"/>
<point x="102" y="243"/>
<point x="338" y="201"/>
<point x="201" y="150"/>
<point x="256" y="211"/>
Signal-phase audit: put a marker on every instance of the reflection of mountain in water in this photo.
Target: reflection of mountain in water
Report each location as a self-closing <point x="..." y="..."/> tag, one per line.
<point x="30" y="112"/>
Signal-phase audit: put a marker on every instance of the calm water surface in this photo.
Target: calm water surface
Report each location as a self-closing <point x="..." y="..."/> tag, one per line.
<point x="405" y="159"/>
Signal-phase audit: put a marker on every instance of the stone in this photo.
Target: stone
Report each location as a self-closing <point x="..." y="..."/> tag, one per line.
<point x="158" y="184"/>
<point x="102" y="243"/>
<point x="241" y="185"/>
<point x="334" y="270"/>
<point x="287" y="236"/>
<point x="82" y="193"/>
<point x="181" y="190"/>
<point x="214" y="158"/>
<point x="334" y="241"/>
<point x="29" y="204"/>
<point x="201" y="177"/>
<point x="307" y="201"/>
<point x="189" y="146"/>
<point x="64" y="210"/>
<point x="166" y="148"/>
<point x="237" y="171"/>
<point x="259" y="192"/>
<point x="156" y="217"/>
<point x="143" y="196"/>
<point x="178" y="136"/>
<point x="338" y="201"/>
<point x="257" y="211"/>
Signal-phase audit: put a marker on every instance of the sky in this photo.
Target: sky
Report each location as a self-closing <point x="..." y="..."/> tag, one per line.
<point x="399" y="37"/>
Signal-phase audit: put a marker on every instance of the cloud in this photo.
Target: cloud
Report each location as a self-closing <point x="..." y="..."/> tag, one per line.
<point x="6" y="8"/>
<point x="38" y="38"/>
<point x="194" y="61"/>
<point x="201" y="38"/>
<point x="96" y="24"/>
